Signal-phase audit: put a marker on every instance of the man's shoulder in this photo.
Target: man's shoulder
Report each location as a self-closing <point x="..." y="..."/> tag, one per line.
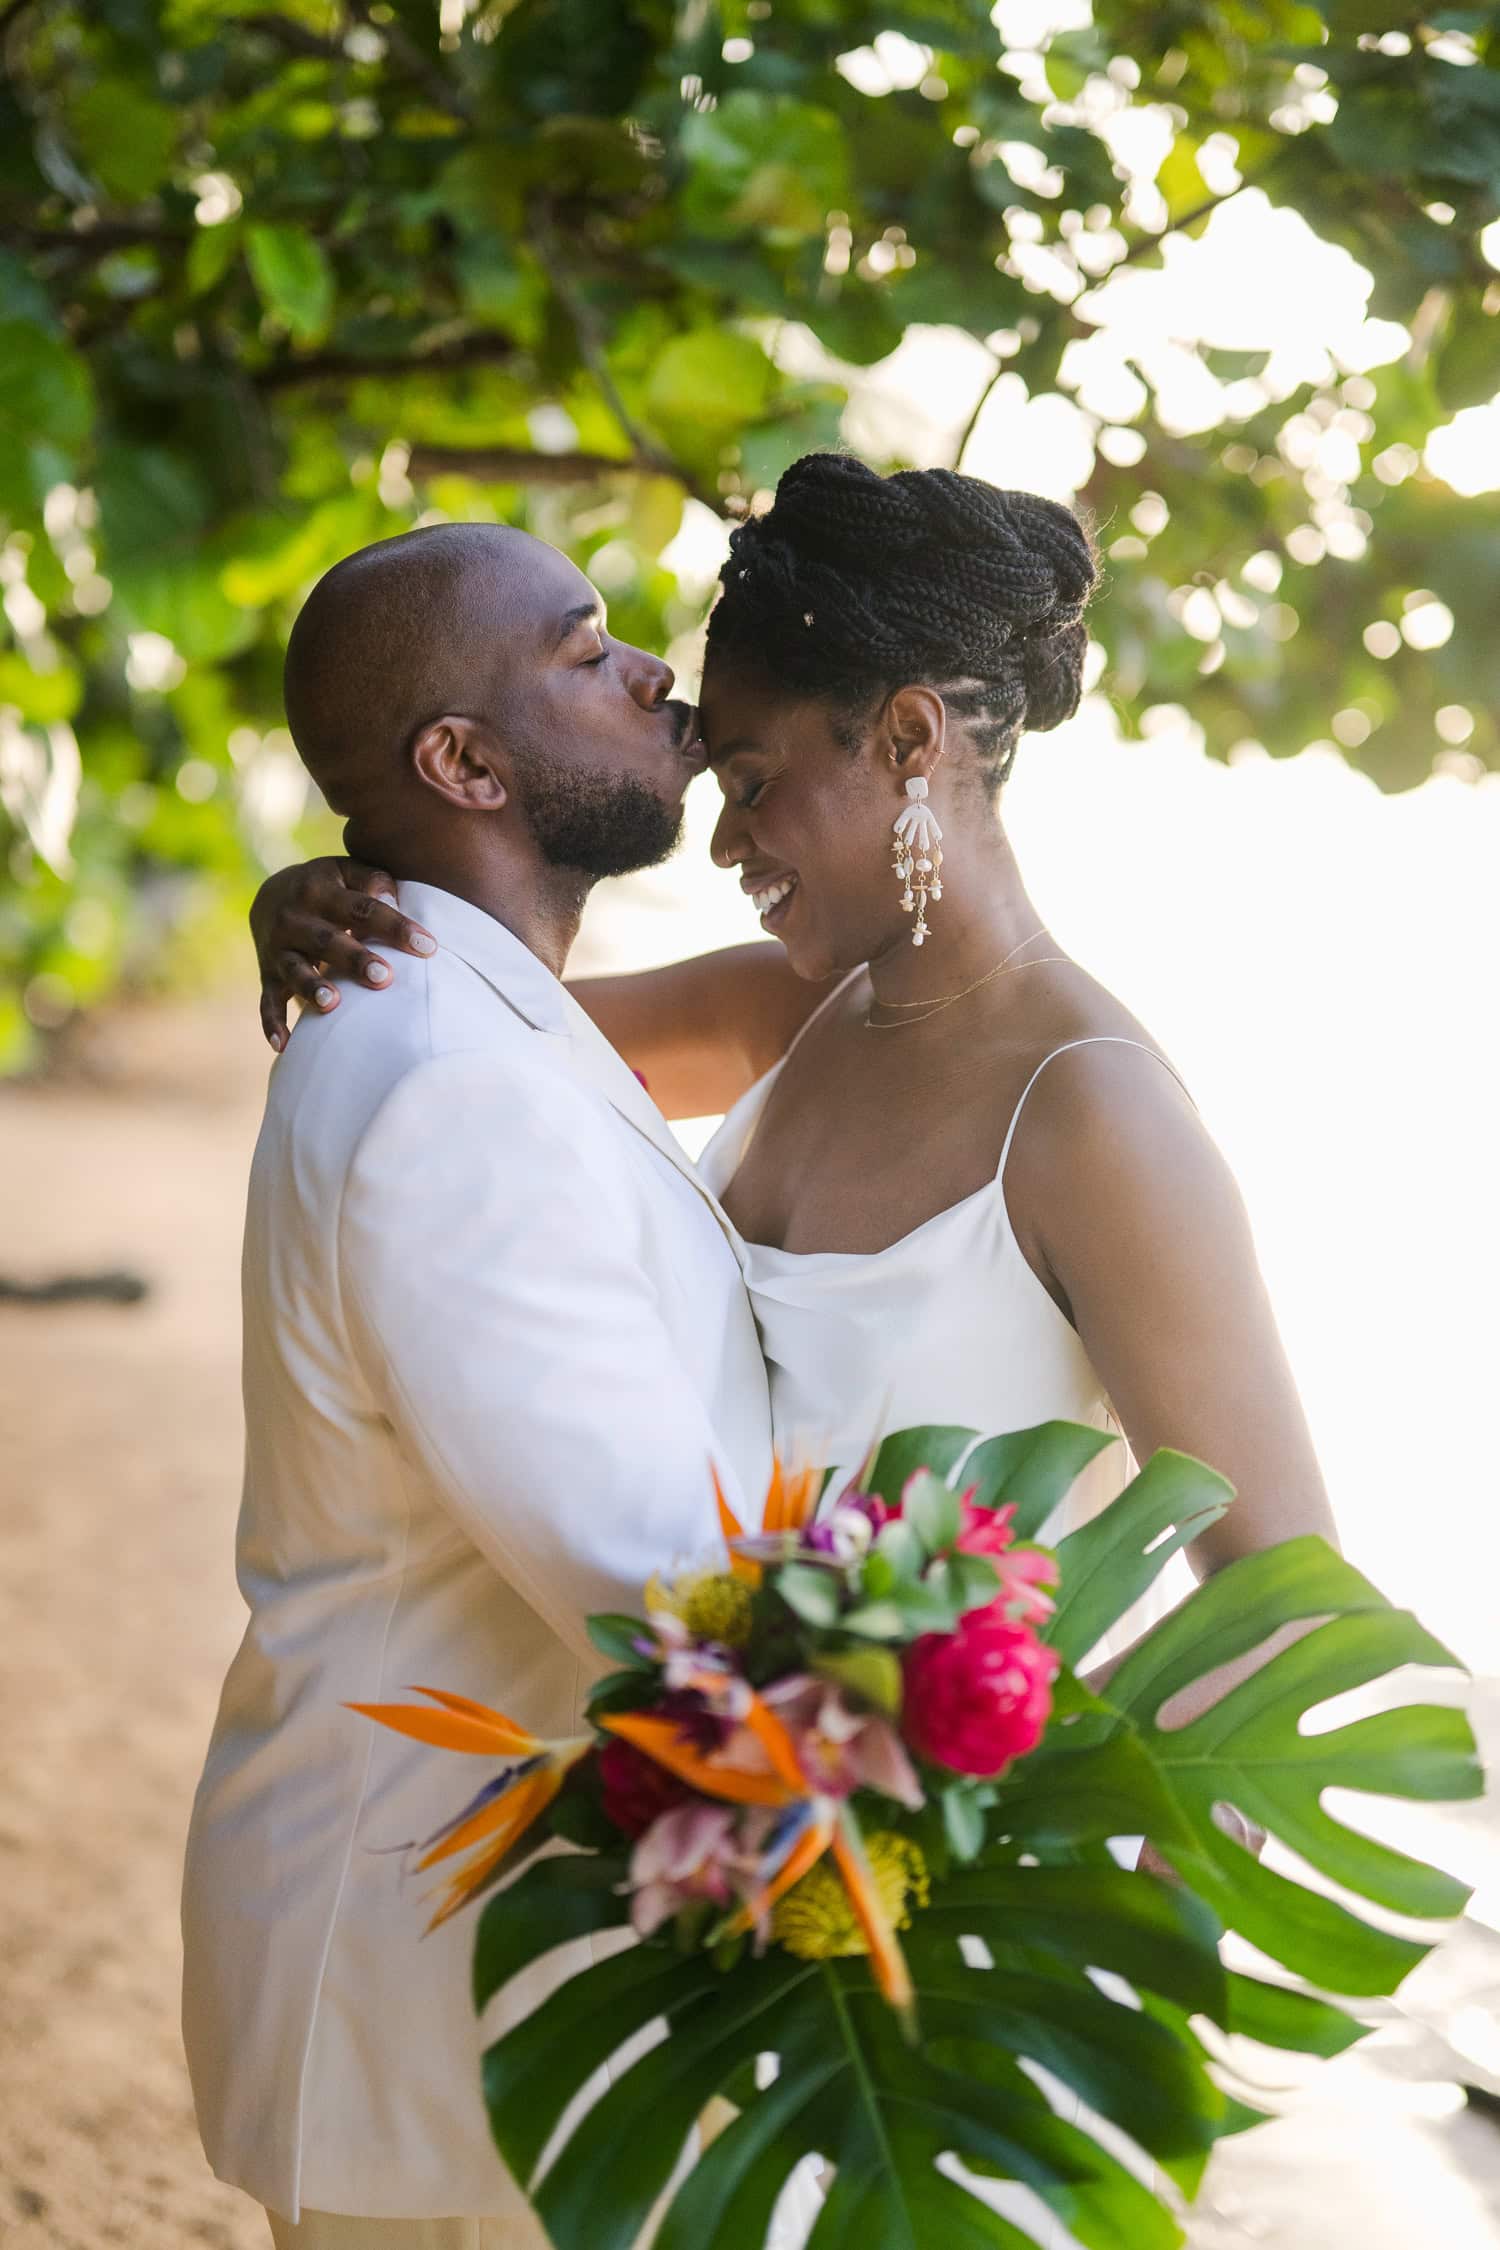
<point x="437" y="1030"/>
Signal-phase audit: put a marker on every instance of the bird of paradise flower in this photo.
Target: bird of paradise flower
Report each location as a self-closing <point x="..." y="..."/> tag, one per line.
<point x="512" y="1802"/>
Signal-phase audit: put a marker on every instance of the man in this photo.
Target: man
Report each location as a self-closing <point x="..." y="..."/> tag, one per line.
<point x="494" y="1333"/>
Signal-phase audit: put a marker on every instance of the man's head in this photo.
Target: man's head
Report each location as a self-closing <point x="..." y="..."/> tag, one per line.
<point x="455" y="688"/>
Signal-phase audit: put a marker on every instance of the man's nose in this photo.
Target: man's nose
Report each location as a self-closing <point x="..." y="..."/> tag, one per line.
<point x="650" y="678"/>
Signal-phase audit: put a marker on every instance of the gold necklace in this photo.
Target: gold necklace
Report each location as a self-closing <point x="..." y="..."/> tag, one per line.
<point x="934" y="1005"/>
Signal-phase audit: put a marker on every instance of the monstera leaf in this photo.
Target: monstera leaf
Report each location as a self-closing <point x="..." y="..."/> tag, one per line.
<point x="847" y="2087"/>
<point x="1040" y="1956"/>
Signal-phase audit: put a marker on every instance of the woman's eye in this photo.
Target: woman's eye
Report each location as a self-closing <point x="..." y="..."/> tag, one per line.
<point x="748" y="799"/>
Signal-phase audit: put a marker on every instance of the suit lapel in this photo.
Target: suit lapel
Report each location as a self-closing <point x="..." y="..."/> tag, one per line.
<point x="596" y="1063"/>
<point x="526" y="985"/>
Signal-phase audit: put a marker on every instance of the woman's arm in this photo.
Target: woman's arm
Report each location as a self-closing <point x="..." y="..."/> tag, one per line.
<point x="1122" y="1198"/>
<point x="1129" y="1212"/>
<point x="699" y="1032"/>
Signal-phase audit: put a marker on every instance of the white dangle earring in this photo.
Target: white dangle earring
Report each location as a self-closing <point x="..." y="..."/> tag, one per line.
<point x="918" y="856"/>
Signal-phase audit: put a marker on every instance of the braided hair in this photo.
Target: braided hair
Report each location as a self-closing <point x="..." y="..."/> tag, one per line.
<point x="853" y="584"/>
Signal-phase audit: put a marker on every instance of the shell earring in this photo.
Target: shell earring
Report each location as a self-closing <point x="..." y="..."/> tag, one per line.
<point x="918" y="856"/>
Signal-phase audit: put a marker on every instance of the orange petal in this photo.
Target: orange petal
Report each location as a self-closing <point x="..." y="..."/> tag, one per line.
<point x="663" y="1740"/>
<point x="471" y="1728"/>
<point x="729" y="1523"/>
<point x="801" y="1498"/>
<point x="509" y="1816"/>
<point x="771" y="1517"/>
<point x="470" y="1880"/>
<point x="886" y="1957"/>
<point x="805" y="1853"/>
<point x="777" y="1745"/>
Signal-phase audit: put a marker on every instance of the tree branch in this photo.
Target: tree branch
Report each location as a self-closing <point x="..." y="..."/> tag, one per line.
<point x="592" y="350"/>
<point x="485" y="350"/>
<point x="295" y="37"/>
<point x="409" y="58"/>
<point x="972" y="424"/>
<point x="503" y="464"/>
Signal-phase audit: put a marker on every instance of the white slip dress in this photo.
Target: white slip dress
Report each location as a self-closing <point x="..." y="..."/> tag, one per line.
<point x="947" y="1325"/>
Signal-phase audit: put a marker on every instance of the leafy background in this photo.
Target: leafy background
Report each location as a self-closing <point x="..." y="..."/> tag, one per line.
<point x="278" y="281"/>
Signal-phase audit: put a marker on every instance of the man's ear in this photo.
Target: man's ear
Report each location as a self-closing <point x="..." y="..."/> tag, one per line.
<point x="456" y="758"/>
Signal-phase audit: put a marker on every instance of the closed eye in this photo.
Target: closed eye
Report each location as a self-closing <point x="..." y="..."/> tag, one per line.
<point x="749" y="798"/>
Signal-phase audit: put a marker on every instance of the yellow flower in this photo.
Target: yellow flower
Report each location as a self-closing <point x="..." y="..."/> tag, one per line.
<point x="816" y="1919"/>
<point x="714" y="1605"/>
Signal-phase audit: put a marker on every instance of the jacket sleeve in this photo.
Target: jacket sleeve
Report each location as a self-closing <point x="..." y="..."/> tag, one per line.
<point x="507" y="1330"/>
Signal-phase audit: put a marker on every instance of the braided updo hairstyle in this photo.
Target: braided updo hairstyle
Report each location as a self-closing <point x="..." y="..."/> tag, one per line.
<point x="853" y="584"/>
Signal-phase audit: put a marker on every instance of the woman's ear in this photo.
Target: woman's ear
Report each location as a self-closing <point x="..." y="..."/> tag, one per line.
<point x="916" y="724"/>
<point x="456" y="760"/>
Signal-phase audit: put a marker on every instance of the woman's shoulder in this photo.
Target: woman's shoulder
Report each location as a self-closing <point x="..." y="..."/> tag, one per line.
<point x="1092" y="1084"/>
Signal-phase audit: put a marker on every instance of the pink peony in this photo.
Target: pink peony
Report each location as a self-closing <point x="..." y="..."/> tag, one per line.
<point x="979" y="1696"/>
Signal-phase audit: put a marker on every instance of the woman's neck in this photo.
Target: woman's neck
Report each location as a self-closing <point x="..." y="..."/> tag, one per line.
<point x="984" y="914"/>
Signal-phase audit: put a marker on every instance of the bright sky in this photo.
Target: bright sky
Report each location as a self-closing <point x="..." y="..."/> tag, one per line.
<point x="1320" y="960"/>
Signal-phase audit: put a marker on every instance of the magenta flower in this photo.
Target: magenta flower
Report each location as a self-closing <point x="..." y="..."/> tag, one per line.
<point x="1024" y="1571"/>
<point x="980" y="1696"/>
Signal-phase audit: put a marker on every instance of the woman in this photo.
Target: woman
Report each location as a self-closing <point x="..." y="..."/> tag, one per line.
<point x="967" y="1185"/>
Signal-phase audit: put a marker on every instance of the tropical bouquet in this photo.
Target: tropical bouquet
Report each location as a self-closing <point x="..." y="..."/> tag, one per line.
<point x="848" y="1791"/>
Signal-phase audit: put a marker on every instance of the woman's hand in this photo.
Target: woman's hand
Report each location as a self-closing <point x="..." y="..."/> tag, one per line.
<point x="316" y="922"/>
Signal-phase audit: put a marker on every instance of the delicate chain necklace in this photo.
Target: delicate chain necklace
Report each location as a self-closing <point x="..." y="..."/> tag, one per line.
<point x="934" y="1005"/>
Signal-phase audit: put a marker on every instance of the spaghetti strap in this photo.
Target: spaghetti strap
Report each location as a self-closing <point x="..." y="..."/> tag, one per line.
<point x="821" y="1010"/>
<point x="1096" y="1039"/>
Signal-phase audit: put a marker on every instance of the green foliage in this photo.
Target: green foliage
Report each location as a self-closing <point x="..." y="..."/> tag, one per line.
<point x="278" y="280"/>
<point x="1025" y="1910"/>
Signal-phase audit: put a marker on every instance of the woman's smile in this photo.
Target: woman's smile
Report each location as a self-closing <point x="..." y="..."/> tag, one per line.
<point x="771" y="896"/>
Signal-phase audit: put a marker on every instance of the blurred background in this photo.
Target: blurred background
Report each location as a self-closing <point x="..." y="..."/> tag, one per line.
<point x="277" y="282"/>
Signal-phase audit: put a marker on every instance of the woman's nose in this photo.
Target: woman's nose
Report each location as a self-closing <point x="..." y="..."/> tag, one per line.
<point x="723" y="846"/>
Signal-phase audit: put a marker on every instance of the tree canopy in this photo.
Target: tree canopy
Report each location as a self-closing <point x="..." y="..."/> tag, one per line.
<point x="276" y="281"/>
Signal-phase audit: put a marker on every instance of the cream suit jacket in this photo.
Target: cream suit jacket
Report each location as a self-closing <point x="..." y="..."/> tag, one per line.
<point x="494" y="1332"/>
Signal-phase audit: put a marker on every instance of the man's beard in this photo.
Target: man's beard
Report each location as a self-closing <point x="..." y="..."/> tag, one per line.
<point x="598" y="823"/>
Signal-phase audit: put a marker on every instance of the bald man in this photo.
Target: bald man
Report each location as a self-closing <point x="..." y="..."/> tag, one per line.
<point x="494" y="1334"/>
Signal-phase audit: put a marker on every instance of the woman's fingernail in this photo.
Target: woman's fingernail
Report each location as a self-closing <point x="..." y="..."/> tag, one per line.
<point x="277" y="1041"/>
<point x="325" y="996"/>
<point x="378" y="973"/>
<point x="421" y="943"/>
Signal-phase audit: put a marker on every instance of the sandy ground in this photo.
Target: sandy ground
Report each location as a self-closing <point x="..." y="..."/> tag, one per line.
<point x="119" y="1463"/>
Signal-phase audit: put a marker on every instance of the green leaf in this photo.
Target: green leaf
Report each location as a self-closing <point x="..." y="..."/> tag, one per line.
<point x="1250" y="1750"/>
<point x="932" y="1511"/>
<point x="1031" y="1470"/>
<point x="294" y="279"/>
<point x="619" y="1637"/>
<point x="973" y="1580"/>
<point x="871" y="1674"/>
<point x="1279" y="2017"/>
<point x="124" y="136"/>
<point x="1108" y="1563"/>
<point x="710" y="380"/>
<point x="46" y="405"/>
<point x="814" y="1594"/>
<point x="963" y="1823"/>
<point x="905" y="1451"/>
<point x="550" y="1902"/>
<point x="897" y="1543"/>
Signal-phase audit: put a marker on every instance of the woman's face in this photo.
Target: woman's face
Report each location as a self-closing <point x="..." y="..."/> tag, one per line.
<point x="806" y="822"/>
